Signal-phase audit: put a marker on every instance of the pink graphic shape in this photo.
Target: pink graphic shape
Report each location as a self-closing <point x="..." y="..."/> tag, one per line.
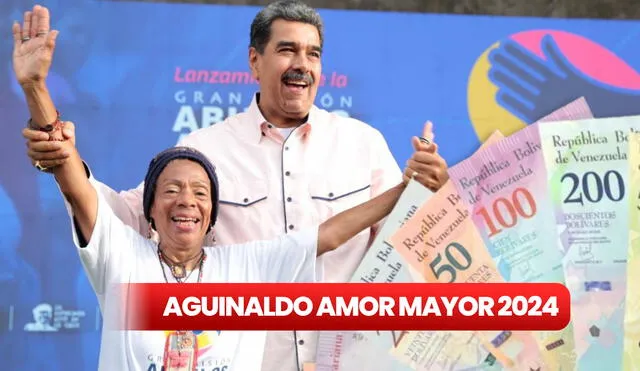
<point x="587" y="56"/>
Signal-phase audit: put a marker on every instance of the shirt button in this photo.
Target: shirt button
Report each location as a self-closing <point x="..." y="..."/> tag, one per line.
<point x="300" y="342"/>
<point x="330" y="195"/>
<point x="290" y="226"/>
<point x="246" y="200"/>
<point x="287" y="173"/>
<point x="288" y="199"/>
<point x="286" y="148"/>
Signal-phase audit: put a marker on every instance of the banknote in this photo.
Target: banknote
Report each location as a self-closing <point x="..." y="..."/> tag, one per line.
<point x="505" y="189"/>
<point x="631" y="360"/>
<point x="442" y="241"/>
<point x="382" y="263"/>
<point x="587" y="169"/>
<point x="355" y="350"/>
<point x="586" y="164"/>
<point x="443" y="350"/>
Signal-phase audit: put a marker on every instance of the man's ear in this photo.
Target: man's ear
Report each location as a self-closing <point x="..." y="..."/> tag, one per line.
<point x="253" y="63"/>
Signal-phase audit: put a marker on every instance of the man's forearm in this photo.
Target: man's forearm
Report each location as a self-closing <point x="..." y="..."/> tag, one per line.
<point x="342" y="227"/>
<point x="41" y="107"/>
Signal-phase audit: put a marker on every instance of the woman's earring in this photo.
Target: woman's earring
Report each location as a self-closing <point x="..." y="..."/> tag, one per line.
<point x="152" y="227"/>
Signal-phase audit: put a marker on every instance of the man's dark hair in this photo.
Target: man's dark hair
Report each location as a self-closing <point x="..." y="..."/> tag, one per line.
<point x="288" y="10"/>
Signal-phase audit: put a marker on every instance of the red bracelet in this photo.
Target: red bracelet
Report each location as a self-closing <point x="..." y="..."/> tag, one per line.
<point x="54" y="126"/>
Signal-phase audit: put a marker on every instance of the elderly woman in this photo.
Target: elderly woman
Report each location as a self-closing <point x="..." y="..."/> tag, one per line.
<point x="181" y="205"/>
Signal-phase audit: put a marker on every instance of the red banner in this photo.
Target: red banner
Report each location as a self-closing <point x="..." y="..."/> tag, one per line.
<point x="348" y="306"/>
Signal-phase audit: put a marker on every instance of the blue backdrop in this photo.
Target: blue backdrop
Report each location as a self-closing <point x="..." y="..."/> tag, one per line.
<point x="124" y="73"/>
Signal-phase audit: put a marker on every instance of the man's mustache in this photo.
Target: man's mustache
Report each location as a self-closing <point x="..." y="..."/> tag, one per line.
<point x="298" y="76"/>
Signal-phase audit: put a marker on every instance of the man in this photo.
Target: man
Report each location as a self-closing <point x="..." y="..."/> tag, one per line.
<point x="284" y="164"/>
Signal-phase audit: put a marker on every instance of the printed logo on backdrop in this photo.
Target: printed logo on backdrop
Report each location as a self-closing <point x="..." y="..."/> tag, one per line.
<point x="206" y="97"/>
<point x="528" y="75"/>
<point x="55" y="318"/>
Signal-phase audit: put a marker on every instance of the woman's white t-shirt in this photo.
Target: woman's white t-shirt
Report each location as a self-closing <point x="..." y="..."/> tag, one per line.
<point x="118" y="254"/>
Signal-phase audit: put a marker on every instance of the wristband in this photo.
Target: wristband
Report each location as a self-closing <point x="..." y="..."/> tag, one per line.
<point x="50" y="128"/>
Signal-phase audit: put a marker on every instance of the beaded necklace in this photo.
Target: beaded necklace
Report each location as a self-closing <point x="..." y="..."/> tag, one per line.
<point x="181" y="347"/>
<point x="178" y="271"/>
